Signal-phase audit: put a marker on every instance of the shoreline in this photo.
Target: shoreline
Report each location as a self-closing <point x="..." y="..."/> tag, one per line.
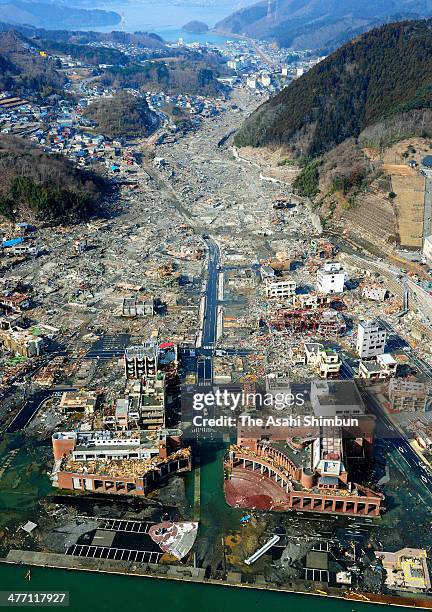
<point x="363" y="598"/>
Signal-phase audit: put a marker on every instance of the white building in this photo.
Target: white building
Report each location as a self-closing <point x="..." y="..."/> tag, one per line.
<point x="281" y="289"/>
<point x="383" y="368"/>
<point x="331" y="278"/>
<point x="325" y="361"/>
<point x="371" y="339"/>
<point x="427" y="250"/>
<point x="376" y="293"/>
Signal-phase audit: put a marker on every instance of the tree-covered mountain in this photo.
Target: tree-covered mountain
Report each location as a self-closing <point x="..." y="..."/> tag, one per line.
<point x="192" y="73"/>
<point x="385" y="72"/>
<point x="46" y="187"/>
<point x="23" y="70"/>
<point x="79" y="37"/>
<point x="319" y="24"/>
<point x="123" y="115"/>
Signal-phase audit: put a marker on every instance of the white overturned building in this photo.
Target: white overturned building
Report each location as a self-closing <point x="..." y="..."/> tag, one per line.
<point x="331" y="278"/>
<point x="371" y="339"/>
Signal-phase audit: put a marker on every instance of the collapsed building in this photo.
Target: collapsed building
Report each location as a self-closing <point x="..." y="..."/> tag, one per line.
<point x="125" y="463"/>
<point x="407" y="395"/>
<point x="321" y="321"/>
<point x="21" y="342"/>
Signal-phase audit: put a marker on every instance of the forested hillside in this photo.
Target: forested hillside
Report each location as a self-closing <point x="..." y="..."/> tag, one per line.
<point x="23" y="70"/>
<point x="48" y="187"/>
<point x="123" y="115"/>
<point x="385" y="72"/>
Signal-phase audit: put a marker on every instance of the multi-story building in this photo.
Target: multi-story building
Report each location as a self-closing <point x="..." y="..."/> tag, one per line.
<point x="329" y="363"/>
<point x="325" y="361"/>
<point x="371" y="339"/>
<point x="142" y="407"/>
<point x="21" y="342"/>
<point x="141" y="360"/>
<point x="280" y="289"/>
<point x="123" y="463"/>
<point x="427" y="250"/>
<point x="383" y="368"/>
<point x="331" y="278"/>
<point x="407" y="395"/>
<point x="152" y="403"/>
<point x="306" y="467"/>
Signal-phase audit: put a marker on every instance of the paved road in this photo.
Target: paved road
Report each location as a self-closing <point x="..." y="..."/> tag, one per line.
<point x="395" y="341"/>
<point x="209" y="335"/>
<point x="105" y="354"/>
<point x="31" y="407"/>
<point x="399" y="442"/>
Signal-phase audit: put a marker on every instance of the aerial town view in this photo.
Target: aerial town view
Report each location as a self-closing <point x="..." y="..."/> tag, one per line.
<point x="216" y="304"/>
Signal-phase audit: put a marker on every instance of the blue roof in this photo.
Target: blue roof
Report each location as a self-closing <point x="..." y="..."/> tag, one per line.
<point x="13" y="242"/>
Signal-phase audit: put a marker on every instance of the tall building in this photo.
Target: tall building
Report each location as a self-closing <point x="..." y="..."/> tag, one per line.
<point x="141" y="360"/>
<point x="371" y="339"/>
<point x="307" y="467"/>
<point x="331" y="278"/>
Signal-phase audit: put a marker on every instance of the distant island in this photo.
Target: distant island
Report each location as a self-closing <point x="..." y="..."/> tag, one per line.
<point x="195" y="27"/>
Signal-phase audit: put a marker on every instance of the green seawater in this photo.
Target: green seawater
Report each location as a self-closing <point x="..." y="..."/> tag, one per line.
<point x="94" y="591"/>
<point x="106" y="592"/>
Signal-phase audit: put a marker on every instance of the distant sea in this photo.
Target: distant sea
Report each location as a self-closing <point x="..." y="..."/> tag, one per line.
<point x="166" y="17"/>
